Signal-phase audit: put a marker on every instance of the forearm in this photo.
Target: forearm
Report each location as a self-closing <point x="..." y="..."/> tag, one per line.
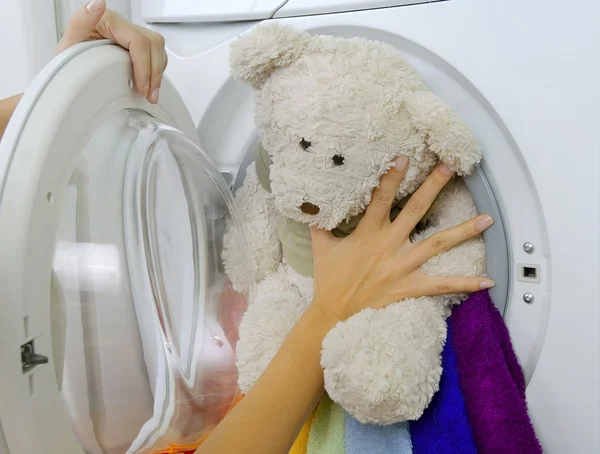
<point x="270" y="416"/>
<point x="7" y="107"/>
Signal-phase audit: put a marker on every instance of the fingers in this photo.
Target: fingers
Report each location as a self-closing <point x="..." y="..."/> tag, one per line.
<point x="82" y="24"/>
<point x="141" y="58"/>
<point x="436" y="286"/>
<point x="147" y="50"/>
<point x="378" y="211"/>
<point x="422" y="200"/>
<point x="447" y="239"/>
<point x="157" y="66"/>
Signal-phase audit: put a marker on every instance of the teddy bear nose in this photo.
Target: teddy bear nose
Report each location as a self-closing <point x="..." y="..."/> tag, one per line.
<point x="309" y="208"/>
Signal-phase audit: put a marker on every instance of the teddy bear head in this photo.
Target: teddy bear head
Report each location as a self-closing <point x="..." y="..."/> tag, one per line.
<point x="333" y="113"/>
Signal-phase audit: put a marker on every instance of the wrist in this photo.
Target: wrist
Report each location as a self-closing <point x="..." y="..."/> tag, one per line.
<point x="315" y="323"/>
<point x="324" y="309"/>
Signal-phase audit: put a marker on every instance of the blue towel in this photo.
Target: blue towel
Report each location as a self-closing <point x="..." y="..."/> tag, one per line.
<point x="444" y="427"/>
<point x="374" y="439"/>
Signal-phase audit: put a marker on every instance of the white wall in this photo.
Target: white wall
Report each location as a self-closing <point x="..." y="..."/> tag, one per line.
<point x="29" y="31"/>
<point x="64" y="8"/>
<point x="27" y="42"/>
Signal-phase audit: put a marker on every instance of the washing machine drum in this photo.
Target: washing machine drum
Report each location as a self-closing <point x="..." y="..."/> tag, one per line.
<point x="111" y="221"/>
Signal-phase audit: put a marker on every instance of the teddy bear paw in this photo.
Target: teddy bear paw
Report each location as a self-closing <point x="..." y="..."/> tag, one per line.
<point x="384" y="366"/>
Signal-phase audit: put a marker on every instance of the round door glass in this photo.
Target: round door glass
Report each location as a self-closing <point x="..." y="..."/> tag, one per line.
<point x="144" y="319"/>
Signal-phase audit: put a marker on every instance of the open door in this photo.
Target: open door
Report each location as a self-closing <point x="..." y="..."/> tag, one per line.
<point x="118" y="325"/>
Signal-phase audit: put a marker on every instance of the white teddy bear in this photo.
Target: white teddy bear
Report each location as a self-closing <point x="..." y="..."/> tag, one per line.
<point x="332" y="114"/>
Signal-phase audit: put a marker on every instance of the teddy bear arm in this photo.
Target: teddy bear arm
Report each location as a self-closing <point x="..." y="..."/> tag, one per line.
<point x="452" y="207"/>
<point x="275" y="309"/>
<point x="260" y="235"/>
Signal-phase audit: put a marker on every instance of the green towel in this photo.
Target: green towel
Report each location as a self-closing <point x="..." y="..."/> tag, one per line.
<point x="328" y="430"/>
<point x="295" y="236"/>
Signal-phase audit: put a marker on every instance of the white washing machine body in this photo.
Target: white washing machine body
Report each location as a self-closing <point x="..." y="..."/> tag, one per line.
<point x="523" y="75"/>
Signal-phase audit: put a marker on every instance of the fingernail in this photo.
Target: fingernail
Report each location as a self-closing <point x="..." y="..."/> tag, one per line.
<point x="484" y="223"/>
<point x="93" y="6"/>
<point x="154" y="96"/>
<point x="401" y="163"/>
<point x="487" y="284"/>
<point x="445" y="170"/>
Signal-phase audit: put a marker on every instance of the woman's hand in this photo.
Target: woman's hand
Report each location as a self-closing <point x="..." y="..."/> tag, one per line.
<point x="377" y="264"/>
<point x="147" y="48"/>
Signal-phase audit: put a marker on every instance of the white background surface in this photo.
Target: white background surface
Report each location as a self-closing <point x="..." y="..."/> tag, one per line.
<point x="26" y="44"/>
<point x="29" y="31"/>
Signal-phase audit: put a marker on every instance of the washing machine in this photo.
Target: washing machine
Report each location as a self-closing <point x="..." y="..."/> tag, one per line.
<point x="119" y="326"/>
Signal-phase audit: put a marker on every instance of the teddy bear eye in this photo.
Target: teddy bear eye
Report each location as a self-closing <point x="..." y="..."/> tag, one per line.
<point x="305" y="144"/>
<point x="338" y="160"/>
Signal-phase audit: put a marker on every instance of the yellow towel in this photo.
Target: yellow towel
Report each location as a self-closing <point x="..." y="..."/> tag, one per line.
<point x="301" y="442"/>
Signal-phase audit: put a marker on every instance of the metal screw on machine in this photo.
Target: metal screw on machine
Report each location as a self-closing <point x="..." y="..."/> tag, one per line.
<point x="528" y="297"/>
<point x="528" y="247"/>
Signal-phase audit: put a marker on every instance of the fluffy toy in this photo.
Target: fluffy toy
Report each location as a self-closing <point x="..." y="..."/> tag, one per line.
<point x="332" y="115"/>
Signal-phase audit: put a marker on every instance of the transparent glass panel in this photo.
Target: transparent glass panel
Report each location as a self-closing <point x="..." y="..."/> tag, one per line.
<point x="144" y="320"/>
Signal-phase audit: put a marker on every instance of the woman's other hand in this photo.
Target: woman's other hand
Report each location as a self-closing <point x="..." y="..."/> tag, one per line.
<point x="377" y="264"/>
<point x="147" y="48"/>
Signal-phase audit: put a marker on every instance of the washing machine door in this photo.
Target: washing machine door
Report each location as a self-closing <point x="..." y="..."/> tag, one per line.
<point x="118" y="324"/>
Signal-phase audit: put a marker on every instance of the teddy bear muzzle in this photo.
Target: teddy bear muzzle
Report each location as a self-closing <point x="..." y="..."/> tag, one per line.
<point x="309" y="208"/>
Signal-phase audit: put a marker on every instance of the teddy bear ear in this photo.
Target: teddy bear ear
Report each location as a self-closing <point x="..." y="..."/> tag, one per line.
<point x="445" y="133"/>
<point x="255" y="55"/>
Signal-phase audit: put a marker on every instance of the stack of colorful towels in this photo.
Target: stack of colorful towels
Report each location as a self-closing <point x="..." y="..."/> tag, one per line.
<point x="479" y="408"/>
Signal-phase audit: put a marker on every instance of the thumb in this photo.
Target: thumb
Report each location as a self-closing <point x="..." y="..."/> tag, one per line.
<point x="82" y="23"/>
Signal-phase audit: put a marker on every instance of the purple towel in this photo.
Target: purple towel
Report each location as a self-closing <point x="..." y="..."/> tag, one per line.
<point x="491" y="379"/>
<point x="444" y="427"/>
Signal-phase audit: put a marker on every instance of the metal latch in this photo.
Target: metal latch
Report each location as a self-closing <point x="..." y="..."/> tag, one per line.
<point x="29" y="358"/>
